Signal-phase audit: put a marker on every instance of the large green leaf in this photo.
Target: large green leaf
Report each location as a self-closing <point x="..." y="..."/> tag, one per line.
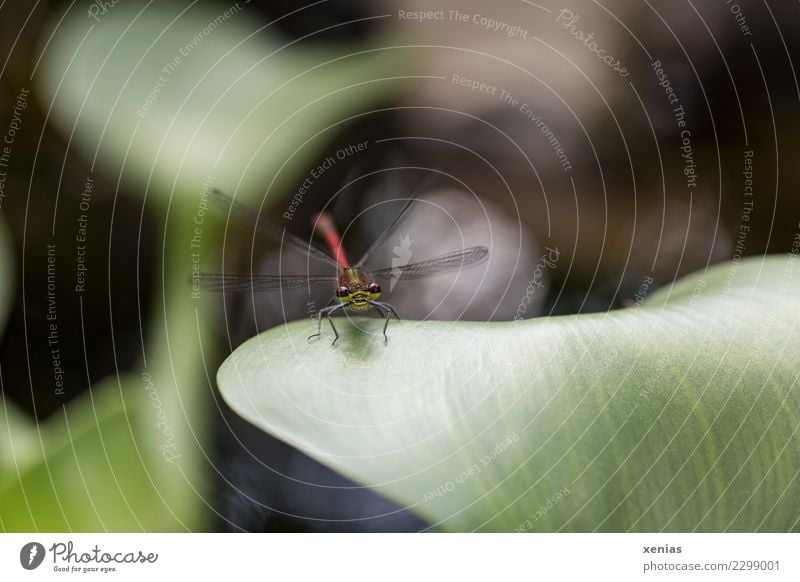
<point x="682" y="414"/>
<point x="178" y="95"/>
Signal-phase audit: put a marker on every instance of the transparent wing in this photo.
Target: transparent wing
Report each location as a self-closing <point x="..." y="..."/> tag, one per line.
<point x="423" y="186"/>
<point x="241" y="283"/>
<point x="278" y="234"/>
<point x="449" y="262"/>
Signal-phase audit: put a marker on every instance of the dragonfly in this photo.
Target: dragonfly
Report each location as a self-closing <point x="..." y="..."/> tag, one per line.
<point x="356" y="289"/>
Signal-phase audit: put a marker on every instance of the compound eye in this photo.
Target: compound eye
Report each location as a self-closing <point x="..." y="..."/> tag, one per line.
<point x="374" y="288"/>
<point x="343" y="292"/>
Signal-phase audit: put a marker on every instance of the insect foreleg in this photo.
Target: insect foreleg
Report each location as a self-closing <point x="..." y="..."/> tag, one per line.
<point x="386" y="310"/>
<point x="327" y="311"/>
<point x="388" y="307"/>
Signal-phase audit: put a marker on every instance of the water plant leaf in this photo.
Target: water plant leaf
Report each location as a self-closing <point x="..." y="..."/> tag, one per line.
<point x="679" y="415"/>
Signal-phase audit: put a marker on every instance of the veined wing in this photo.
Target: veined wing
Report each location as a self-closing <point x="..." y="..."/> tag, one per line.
<point x="422" y="187"/>
<point x="278" y="234"/>
<point x="443" y="264"/>
<point x="241" y="283"/>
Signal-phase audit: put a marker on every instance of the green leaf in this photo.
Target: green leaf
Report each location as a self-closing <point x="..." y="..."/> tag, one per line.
<point x="174" y="95"/>
<point x="169" y="98"/>
<point x="679" y="415"/>
<point x="88" y="468"/>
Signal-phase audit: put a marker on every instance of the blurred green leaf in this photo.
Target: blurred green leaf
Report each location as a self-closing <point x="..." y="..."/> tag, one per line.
<point x="92" y="469"/>
<point x="172" y="95"/>
<point x="18" y="442"/>
<point x="680" y="415"/>
<point x="169" y="97"/>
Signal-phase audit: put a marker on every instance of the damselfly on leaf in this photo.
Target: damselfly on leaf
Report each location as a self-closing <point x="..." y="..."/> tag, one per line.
<point x="355" y="289"/>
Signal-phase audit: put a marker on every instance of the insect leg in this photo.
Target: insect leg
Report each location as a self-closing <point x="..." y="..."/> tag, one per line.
<point x="319" y="324"/>
<point x="388" y="307"/>
<point x="330" y="320"/>
<point x="386" y="314"/>
<point x="382" y="308"/>
<point x="326" y="311"/>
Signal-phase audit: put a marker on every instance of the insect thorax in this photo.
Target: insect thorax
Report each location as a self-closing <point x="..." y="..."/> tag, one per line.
<point x="354" y="278"/>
